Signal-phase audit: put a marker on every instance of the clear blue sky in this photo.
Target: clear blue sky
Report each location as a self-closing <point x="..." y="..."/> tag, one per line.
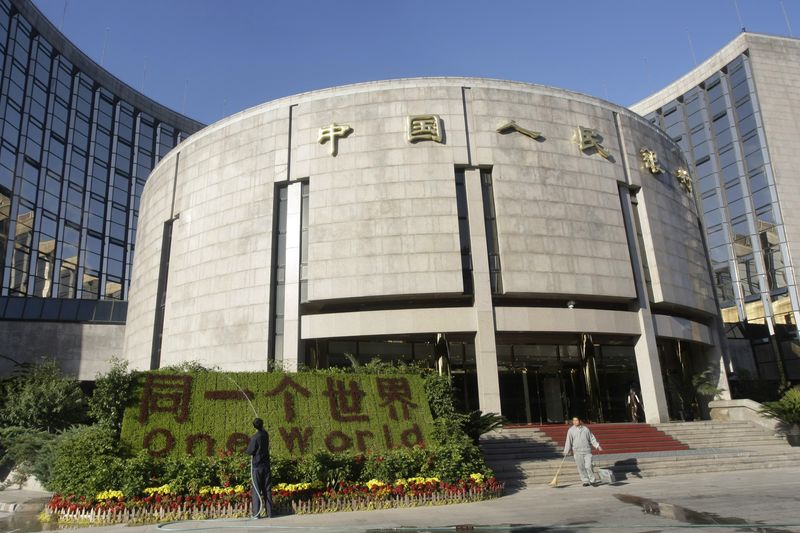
<point x="212" y="58"/>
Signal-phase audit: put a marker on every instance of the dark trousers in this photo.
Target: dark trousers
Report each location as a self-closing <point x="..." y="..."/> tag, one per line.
<point x="263" y="485"/>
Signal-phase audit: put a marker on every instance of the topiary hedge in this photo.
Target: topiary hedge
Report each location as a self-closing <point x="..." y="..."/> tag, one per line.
<point x="200" y="413"/>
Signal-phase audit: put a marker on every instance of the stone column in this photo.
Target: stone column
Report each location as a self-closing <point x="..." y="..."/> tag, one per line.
<point x="291" y="309"/>
<point x="485" y="347"/>
<point x="651" y="381"/>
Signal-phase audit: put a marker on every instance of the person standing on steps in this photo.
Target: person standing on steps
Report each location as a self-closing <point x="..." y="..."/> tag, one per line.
<point x="634" y="404"/>
<point x="259" y="471"/>
<point x="580" y="441"/>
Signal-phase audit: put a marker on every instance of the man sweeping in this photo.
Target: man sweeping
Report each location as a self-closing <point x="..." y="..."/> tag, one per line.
<point x="580" y="441"/>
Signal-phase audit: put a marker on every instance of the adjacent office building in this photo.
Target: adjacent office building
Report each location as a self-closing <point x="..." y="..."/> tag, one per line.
<point x="76" y="146"/>
<point x="735" y="118"/>
<point x="543" y="244"/>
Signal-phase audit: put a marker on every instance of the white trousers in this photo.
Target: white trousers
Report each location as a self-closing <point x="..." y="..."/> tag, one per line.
<point x="584" y="463"/>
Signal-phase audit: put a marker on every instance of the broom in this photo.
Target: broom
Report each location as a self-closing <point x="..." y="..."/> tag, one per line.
<point x="554" y="482"/>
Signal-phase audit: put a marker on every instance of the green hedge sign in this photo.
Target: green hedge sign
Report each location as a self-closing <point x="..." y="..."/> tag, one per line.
<point x="205" y="412"/>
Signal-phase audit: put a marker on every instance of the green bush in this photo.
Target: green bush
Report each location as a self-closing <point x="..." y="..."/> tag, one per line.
<point x="440" y="396"/>
<point x="41" y="397"/>
<point x="187" y="474"/>
<point x="30" y="451"/>
<point x="477" y="423"/>
<point x="232" y="468"/>
<point x="395" y="464"/>
<point x="457" y="459"/>
<point x="282" y="469"/>
<point x="113" y="392"/>
<point x="326" y="467"/>
<point x="86" y="461"/>
<point x="787" y="409"/>
<point x="138" y="473"/>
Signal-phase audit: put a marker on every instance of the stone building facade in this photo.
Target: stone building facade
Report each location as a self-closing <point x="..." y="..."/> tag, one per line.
<point x="542" y="245"/>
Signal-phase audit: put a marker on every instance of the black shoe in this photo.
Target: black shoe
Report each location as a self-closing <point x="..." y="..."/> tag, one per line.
<point x="585" y="484"/>
<point x="596" y="484"/>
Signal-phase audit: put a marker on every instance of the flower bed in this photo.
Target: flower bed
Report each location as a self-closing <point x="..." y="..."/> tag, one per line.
<point x="160" y="505"/>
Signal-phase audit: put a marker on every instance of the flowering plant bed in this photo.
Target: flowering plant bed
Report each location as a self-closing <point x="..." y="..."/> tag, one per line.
<point x="160" y="505"/>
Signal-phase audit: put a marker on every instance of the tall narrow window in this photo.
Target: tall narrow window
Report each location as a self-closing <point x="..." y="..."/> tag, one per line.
<point x="463" y="231"/>
<point x="161" y="294"/>
<point x="279" y="273"/>
<point x="304" y="243"/>
<point x="490" y="223"/>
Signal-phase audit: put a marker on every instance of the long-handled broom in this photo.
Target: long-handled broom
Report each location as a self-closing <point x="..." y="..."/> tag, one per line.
<point x="554" y="482"/>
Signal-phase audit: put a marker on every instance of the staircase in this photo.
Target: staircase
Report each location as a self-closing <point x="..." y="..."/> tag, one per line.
<point x="620" y="438"/>
<point x="531" y="455"/>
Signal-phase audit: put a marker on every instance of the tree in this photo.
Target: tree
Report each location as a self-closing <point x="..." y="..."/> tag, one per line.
<point x="41" y="397"/>
<point x="112" y="393"/>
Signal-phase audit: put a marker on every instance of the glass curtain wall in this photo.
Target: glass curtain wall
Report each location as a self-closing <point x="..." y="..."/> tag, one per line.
<point x="74" y="158"/>
<point x="718" y="126"/>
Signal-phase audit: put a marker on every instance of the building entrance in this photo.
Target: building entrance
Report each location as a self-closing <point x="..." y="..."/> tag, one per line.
<point x="550" y="383"/>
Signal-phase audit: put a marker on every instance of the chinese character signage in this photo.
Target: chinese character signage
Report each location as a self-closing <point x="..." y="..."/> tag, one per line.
<point x="205" y="413"/>
<point x="650" y="161"/>
<point x="332" y="133"/>
<point x="590" y="140"/>
<point x="424" y="128"/>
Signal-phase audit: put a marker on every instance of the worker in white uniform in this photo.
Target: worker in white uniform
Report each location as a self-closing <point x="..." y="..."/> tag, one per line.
<point x="580" y="441"/>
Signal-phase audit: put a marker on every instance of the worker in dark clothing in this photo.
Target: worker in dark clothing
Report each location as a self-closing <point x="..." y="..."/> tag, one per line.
<point x="259" y="471"/>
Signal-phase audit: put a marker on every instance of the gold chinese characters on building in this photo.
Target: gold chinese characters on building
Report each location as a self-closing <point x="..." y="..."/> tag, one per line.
<point x="589" y="139"/>
<point x="511" y="125"/>
<point x="332" y="133"/>
<point x="650" y="160"/>
<point x="425" y="128"/>
<point x="684" y="178"/>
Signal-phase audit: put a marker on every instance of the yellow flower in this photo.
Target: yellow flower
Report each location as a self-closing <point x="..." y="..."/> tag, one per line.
<point x="477" y="478"/>
<point x="163" y="490"/>
<point x="373" y="483"/>
<point x="109" y="495"/>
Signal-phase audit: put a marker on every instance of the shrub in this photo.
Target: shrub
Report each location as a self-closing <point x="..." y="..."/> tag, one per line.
<point x="112" y="394"/>
<point x="787" y="409"/>
<point x="139" y="472"/>
<point x="457" y="459"/>
<point x="187" y="474"/>
<point x="396" y="464"/>
<point x="477" y="423"/>
<point x="327" y="467"/>
<point x="29" y="450"/>
<point x="86" y="461"/>
<point x="282" y="469"/>
<point x="42" y="398"/>
<point x="440" y="396"/>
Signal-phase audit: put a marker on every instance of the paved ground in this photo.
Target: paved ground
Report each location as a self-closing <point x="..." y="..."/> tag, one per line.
<point x="753" y="500"/>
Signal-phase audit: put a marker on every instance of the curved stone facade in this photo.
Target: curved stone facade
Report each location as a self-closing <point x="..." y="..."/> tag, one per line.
<point x="409" y="208"/>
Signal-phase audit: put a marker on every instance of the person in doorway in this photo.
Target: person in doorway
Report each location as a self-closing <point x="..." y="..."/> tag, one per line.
<point x="580" y="441"/>
<point x="259" y="471"/>
<point x="634" y="404"/>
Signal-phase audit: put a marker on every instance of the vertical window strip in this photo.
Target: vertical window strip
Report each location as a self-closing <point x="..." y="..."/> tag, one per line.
<point x="490" y="219"/>
<point x="304" y="217"/>
<point x="161" y="295"/>
<point x="463" y="231"/>
<point x="278" y="288"/>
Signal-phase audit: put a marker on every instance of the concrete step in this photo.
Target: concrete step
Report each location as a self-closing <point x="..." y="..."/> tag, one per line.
<point x="569" y="472"/>
<point x="527" y="455"/>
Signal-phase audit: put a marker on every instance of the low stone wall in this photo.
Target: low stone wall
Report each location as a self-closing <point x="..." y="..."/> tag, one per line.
<point x="746" y="410"/>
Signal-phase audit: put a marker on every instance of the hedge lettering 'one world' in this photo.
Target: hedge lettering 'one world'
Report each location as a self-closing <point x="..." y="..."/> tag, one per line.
<point x="206" y="412"/>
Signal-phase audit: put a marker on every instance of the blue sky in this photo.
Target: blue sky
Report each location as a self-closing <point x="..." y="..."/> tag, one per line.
<point x="212" y="58"/>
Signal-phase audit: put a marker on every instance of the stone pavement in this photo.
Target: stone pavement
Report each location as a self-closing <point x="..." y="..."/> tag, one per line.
<point x="748" y="500"/>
